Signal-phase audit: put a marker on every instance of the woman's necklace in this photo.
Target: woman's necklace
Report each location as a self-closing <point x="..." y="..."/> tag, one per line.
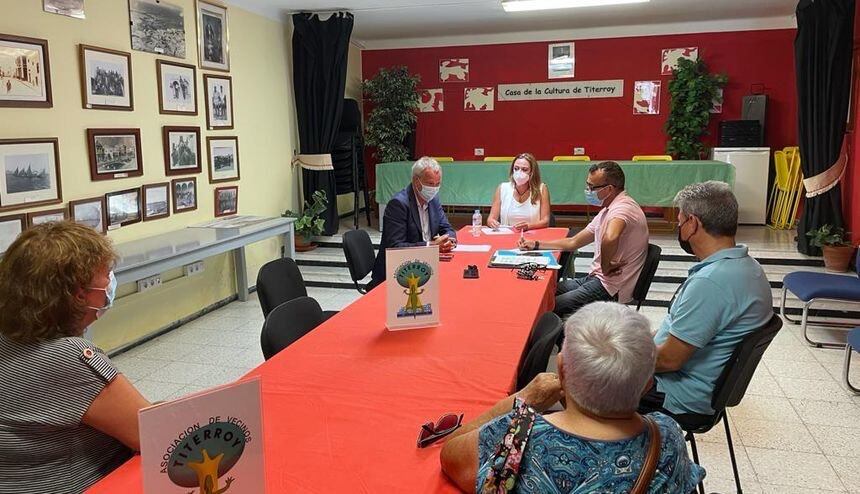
<point x="521" y="196"/>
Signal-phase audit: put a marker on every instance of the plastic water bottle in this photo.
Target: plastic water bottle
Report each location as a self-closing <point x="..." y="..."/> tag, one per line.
<point x="476" y="223"/>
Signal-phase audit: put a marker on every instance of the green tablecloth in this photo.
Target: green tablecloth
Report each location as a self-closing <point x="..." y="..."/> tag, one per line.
<point x="473" y="183"/>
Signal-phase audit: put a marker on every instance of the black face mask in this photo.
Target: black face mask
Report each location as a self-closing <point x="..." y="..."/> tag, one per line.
<point x="685" y="244"/>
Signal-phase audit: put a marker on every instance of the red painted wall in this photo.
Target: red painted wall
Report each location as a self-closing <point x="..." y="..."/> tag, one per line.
<point x="851" y="182"/>
<point x="606" y="128"/>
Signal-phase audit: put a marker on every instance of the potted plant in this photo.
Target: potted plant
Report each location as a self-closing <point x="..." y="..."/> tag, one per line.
<point x="833" y="242"/>
<point x="309" y="224"/>
<point x="693" y="91"/>
<point x="394" y="93"/>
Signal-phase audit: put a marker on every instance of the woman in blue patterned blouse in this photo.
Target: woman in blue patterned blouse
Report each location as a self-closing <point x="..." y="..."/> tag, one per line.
<point x="598" y="443"/>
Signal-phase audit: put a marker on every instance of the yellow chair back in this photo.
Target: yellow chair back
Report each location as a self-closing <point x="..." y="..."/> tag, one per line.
<point x="442" y="158"/>
<point x="652" y="157"/>
<point x="571" y="158"/>
<point x="499" y="158"/>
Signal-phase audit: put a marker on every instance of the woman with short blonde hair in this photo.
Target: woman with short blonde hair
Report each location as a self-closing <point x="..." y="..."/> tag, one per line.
<point x="523" y="201"/>
<point x="67" y="416"/>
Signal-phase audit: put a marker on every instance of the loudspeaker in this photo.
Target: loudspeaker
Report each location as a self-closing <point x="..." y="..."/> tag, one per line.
<point x="740" y="134"/>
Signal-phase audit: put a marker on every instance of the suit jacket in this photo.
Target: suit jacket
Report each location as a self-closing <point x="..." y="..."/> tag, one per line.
<point x="401" y="226"/>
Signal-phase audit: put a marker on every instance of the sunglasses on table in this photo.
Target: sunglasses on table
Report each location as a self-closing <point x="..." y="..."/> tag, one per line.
<point x="430" y="432"/>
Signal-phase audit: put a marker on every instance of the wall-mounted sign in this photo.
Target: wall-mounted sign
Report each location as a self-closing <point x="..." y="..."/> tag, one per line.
<point x="561" y="60"/>
<point x="646" y="97"/>
<point x="561" y="90"/>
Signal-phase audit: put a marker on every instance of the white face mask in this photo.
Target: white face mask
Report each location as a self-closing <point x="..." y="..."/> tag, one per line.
<point x="520" y="177"/>
<point x="428" y="193"/>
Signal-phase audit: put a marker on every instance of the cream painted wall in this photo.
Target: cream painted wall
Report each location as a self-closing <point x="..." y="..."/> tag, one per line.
<point x="353" y="90"/>
<point x="260" y="52"/>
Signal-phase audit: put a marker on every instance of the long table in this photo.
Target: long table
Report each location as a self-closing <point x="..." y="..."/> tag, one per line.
<point x="343" y="405"/>
<point x="473" y="183"/>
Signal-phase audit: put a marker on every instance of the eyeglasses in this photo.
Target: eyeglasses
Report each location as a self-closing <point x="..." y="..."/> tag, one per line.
<point x="592" y="188"/>
<point x="430" y="432"/>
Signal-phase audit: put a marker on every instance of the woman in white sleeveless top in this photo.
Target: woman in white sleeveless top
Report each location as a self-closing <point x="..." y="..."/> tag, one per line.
<point x="523" y="201"/>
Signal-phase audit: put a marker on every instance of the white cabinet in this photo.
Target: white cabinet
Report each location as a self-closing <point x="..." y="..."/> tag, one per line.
<point x="751" y="169"/>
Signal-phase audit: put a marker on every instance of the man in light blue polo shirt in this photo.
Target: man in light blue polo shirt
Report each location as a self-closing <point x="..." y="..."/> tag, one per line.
<point x="725" y="297"/>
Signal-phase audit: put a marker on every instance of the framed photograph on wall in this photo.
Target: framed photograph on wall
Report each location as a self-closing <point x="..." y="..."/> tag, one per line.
<point x="157" y="26"/>
<point x="114" y="153"/>
<point x="47" y="216"/>
<point x="181" y="150"/>
<point x="69" y="8"/>
<point x="177" y="88"/>
<point x="226" y="200"/>
<point x="89" y="212"/>
<point x="218" y="90"/>
<point x="223" y="159"/>
<point x="123" y="207"/>
<point x="213" y="39"/>
<point x="106" y="79"/>
<point x="29" y="173"/>
<point x="156" y="201"/>
<point x="184" y="194"/>
<point x="10" y="227"/>
<point x="25" y="72"/>
<point x="562" y="61"/>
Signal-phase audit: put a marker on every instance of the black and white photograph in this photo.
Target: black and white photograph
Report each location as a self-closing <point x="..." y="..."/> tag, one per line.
<point x="184" y="194"/>
<point x="10" y="227"/>
<point x="48" y="216"/>
<point x="226" y="200"/>
<point x="89" y="212"/>
<point x="223" y="158"/>
<point x="177" y="88"/>
<point x="25" y="75"/>
<point x="157" y="26"/>
<point x="156" y="201"/>
<point x="69" y="8"/>
<point x="123" y="207"/>
<point x="561" y="60"/>
<point x="30" y="173"/>
<point x="181" y="150"/>
<point x="212" y="36"/>
<point x="218" y="91"/>
<point x="106" y="79"/>
<point x="114" y="153"/>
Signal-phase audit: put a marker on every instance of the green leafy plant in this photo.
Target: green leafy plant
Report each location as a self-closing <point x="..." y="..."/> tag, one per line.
<point x="828" y="236"/>
<point x="309" y="224"/>
<point x="394" y="93"/>
<point x="693" y="91"/>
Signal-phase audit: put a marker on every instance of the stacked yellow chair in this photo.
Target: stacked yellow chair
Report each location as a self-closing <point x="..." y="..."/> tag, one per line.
<point x="571" y="158"/>
<point x="652" y="157"/>
<point x="442" y="158"/>
<point x="499" y="158"/>
<point x="787" y="189"/>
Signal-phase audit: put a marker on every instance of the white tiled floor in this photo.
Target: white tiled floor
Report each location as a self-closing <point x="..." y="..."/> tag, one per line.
<point x="796" y="431"/>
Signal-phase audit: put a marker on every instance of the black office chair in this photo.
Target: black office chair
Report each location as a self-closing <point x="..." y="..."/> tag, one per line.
<point x="538" y="348"/>
<point x="288" y="322"/>
<point x="566" y="258"/>
<point x="729" y="390"/>
<point x="652" y="260"/>
<point x="280" y="281"/>
<point x="358" y="250"/>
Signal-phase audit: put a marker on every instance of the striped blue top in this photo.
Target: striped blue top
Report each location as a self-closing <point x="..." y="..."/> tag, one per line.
<point x="45" y="390"/>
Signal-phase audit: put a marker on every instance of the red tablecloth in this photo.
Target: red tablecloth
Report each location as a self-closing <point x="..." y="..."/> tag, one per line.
<point x="343" y="405"/>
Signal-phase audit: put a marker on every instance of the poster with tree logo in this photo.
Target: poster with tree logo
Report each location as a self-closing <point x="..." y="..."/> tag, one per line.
<point x="207" y="442"/>
<point x="412" y="287"/>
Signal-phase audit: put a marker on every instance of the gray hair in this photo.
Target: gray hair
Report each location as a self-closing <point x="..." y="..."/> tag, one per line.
<point x="608" y="358"/>
<point x="424" y="163"/>
<point x="713" y="203"/>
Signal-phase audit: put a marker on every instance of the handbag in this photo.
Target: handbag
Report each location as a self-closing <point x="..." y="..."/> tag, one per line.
<point x="505" y="462"/>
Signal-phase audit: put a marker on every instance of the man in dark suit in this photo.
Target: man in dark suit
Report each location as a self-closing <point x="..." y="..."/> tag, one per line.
<point x="414" y="217"/>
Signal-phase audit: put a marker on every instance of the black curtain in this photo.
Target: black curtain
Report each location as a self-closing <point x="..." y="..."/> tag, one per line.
<point x="320" y="51"/>
<point x="822" y="52"/>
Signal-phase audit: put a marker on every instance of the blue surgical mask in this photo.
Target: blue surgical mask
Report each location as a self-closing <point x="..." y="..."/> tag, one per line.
<point x="428" y="193"/>
<point x="110" y="294"/>
<point x="592" y="198"/>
